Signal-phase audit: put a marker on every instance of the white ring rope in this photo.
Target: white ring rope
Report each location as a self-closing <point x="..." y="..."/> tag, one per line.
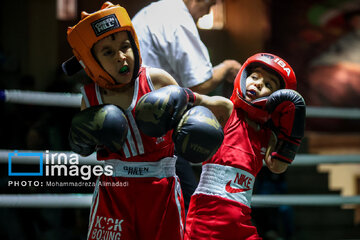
<point x="41" y="98"/>
<point x="84" y="200"/>
<point x="74" y="100"/>
<point x="303" y="200"/>
<point x="300" y="159"/>
<point x="46" y="200"/>
<point x="331" y="112"/>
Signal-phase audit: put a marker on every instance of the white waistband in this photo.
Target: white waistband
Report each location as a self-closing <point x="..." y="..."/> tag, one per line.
<point x="160" y="169"/>
<point x="227" y="182"/>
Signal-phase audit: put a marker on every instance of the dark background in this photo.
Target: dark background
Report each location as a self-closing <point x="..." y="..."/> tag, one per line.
<point x="320" y="39"/>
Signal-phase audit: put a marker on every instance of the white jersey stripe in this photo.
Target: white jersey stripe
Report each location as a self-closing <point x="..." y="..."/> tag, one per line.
<point x="135" y="96"/>
<point x="148" y="78"/>
<point x="131" y="141"/>
<point x="136" y="133"/>
<point x="177" y="196"/>
<point x="132" y="124"/>
<point x="85" y="97"/>
<point x="126" y="150"/>
<point x="94" y="207"/>
<point x="98" y="94"/>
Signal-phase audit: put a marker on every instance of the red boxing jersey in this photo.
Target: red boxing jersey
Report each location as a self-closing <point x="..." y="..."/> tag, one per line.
<point x="243" y="147"/>
<point x="226" y="184"/>
<point x="149" y="188"/>
<point x="138" y="146"/>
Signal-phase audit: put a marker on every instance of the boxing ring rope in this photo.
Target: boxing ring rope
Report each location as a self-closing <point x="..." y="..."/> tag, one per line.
<point x="45" y="200"/>
<point x="41" y="98"/>
<point x="74" y="100"/>
<point x="84" y="200"/>
<point x="300" y="159"/>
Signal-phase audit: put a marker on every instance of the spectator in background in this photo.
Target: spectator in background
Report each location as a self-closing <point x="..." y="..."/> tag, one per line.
<point x="336" y="70"/>
<point x="339" y="64"/>
<point x="167" y="30"/>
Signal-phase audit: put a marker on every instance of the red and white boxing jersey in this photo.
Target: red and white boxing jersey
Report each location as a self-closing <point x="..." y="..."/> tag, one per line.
<point x="138" y="146"/>
<point x="243" y="147"/>
<point x="220" y="206"/>
<point x="151" y="190"/>
<point x="231" y="172"/>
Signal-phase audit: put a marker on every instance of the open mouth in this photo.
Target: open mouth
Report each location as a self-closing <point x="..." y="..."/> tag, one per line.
<point x="252" y="93"/>
<point x="124" y="70"/>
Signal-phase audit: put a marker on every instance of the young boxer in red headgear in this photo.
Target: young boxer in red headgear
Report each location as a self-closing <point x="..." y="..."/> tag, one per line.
<point x="267" y="124"/>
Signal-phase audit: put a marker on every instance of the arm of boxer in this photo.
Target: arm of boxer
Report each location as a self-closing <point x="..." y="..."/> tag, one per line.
<point x="275" y="165"/>
<point x="161" y="78"/>
<point x="221" y="107"/>
<point x="225" y="71"/>
<point x="287" y="108"/>
<point x="102" y="125"/>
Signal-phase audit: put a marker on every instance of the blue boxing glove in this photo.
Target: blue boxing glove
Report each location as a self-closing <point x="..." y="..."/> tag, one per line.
<point x="287" y="108"/>
<point x="159" y="111"/>
<point x="102" y="125"/>
<point x="198" y="135"/>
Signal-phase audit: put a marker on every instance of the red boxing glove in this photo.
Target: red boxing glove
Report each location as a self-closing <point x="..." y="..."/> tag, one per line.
<point x="287" y="108"/>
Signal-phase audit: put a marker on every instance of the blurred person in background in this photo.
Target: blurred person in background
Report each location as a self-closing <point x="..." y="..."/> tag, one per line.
<point x="167" y="31"/>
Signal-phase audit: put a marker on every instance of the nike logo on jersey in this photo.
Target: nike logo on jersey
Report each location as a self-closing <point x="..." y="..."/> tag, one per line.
<point x="230" y="189"/>
<point x="242" y="181"/>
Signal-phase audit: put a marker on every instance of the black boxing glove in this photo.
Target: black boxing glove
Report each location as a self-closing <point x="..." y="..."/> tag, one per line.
<point x="102" y="125"/>
<point x="288" y="111"/>
<point x="198" y="135"/>
<point x="159" y="111"/>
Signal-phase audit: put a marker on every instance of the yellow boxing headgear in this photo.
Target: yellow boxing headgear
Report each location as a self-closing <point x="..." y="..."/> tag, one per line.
<point x="94" y="27"/>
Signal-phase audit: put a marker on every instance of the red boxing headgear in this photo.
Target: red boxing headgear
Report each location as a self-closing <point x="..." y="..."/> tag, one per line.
<point x="255" y="109"/>
<point x="93" y="27"/>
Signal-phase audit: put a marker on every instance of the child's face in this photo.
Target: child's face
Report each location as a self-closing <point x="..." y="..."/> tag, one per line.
<point x="261" y="83"/>
<point x="116" y="56"/>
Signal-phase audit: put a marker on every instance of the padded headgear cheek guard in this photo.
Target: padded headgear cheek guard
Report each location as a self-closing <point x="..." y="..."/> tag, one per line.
<point x="255" y="109"/>
<point x="93" y="27"/>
